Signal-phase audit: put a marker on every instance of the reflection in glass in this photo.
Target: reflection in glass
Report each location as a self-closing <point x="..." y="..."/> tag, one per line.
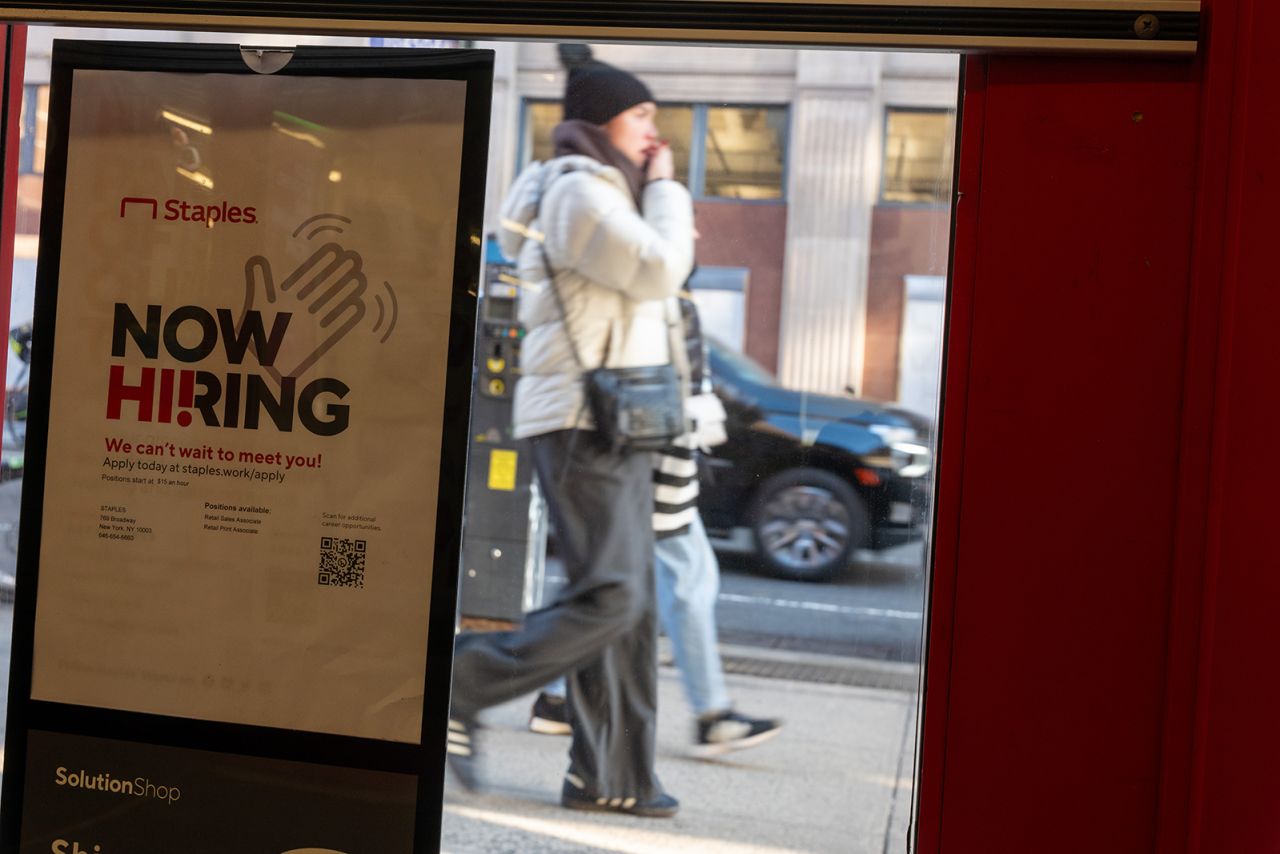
<point x="744" y="151"/>
<point x="917" y="156"/>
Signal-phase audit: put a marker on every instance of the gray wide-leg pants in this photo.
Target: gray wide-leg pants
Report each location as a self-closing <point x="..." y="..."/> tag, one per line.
<point x="601" y="631"/>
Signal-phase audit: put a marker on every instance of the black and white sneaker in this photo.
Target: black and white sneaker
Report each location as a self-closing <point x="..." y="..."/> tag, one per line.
<point x="720" y="733"/>
<point x="461" y="753"/>
<point x="550" y="715"/>
<point x="574" y="796"/>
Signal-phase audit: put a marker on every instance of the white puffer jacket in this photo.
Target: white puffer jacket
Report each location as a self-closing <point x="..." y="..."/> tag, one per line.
<point x="617" y="272"/>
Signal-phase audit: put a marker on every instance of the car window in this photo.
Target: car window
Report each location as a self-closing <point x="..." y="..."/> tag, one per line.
<point x="743" y="366"/>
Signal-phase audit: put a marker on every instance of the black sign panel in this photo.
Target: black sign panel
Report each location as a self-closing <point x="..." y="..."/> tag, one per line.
<point x="99" y="796"/>
<point x="242" y="504"/>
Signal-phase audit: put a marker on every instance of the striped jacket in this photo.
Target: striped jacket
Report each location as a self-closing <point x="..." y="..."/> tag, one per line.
<point x="675" y="490"/>
<point x="675" y="469"/>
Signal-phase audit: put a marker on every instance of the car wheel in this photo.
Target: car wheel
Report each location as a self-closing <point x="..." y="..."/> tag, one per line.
<point x="807" y="522"/>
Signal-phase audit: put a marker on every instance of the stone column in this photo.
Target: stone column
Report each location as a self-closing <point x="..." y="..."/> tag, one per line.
<point x="504" y="130"/>
<point x="832" y="188"/>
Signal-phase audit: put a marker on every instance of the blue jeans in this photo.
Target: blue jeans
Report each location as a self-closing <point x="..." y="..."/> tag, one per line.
<point x="688" y="582"/>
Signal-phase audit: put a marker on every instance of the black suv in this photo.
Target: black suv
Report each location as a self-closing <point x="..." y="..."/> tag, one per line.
<point x="805" y="479"/>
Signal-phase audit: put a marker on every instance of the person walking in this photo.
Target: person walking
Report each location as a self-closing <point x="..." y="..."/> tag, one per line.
<point x="602" y="235"/>
<point x="688" y="578"/>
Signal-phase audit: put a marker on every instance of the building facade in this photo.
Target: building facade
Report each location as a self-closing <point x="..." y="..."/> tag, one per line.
<point x="821" y="182"/>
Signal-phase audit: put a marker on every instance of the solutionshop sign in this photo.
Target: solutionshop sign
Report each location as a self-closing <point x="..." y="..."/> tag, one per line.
<point x="98" y="793"/>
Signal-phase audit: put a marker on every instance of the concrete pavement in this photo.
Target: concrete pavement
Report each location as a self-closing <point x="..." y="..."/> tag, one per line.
<point x="838" y="779"/>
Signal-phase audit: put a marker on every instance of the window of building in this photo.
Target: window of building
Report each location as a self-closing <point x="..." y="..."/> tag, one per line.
<point x="675" y="122"/>
<point x="918" y="149"/>
<point x="744" y="152"/>
<point x="720" y="152"/>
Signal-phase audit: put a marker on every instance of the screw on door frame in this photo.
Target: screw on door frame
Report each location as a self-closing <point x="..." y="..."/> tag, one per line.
<point x="1146" y="26"/>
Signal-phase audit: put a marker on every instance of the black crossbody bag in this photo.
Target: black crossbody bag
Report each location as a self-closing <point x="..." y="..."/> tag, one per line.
<point x="635" y="409"/>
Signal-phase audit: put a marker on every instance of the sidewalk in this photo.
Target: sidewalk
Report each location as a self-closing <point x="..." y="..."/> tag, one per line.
<point x="838" y="779"/>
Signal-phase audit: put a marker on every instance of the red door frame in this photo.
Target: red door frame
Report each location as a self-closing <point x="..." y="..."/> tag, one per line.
<point x="1101" y="609"/>
<point x="14" y="39"/>
<point x="1235" y="790"/>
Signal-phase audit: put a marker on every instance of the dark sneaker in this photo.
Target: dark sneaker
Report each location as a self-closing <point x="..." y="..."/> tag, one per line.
<point x="731" y="731"/>
<point x="461" y="755"/>
<point x="550" y="715"/>
<point x="575" y="797"/>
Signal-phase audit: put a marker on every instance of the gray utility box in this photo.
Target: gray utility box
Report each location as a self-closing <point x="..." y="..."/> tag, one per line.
<point x="504" y="545"/>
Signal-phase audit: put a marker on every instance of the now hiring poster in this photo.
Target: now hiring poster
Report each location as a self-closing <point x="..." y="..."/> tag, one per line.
<point x="253" y="313"/>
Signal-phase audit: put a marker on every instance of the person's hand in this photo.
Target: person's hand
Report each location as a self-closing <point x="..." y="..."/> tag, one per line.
<point x="661" y="164"/>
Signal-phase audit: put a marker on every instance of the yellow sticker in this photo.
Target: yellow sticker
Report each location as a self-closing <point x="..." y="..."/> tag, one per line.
<point x="502" y="470"/>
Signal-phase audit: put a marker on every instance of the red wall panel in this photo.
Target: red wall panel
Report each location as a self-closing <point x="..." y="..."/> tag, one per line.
<point x="1236" y="800"/>
<point x="1051" y="601"/>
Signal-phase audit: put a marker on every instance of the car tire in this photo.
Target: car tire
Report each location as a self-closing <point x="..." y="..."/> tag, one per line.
<point x="807" y="523"/>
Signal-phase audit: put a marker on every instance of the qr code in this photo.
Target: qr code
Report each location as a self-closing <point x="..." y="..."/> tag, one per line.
<point x="341" y="562"/>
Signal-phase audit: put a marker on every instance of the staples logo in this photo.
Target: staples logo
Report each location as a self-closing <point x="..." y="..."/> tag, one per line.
<point x="176" y="210"/>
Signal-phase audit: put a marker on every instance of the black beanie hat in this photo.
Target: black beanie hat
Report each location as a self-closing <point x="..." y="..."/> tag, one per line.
<point x="597" y="91"/>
